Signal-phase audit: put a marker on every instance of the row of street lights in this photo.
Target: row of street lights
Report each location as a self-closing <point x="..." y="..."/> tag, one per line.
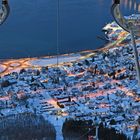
<point x="131" y="26"/>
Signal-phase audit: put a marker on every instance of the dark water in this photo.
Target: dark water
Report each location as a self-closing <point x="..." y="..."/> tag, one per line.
<point x="31" y="27"/>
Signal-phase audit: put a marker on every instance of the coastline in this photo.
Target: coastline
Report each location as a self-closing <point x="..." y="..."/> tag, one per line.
<point x="10" y="65"/>
<point x="101" y="87"/>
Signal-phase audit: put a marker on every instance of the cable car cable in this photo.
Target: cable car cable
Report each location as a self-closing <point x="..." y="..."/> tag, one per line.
<point x="57" y="36"/>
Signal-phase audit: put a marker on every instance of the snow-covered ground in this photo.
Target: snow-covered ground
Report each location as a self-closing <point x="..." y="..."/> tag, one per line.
<point x="2" y="68"/>
<point x="103" y="86"/>
<point x="15" y="64"/>
<point x="53" y="61"/>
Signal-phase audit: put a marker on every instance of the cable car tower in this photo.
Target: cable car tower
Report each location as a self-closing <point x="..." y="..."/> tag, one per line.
<point x="4" y="11"/>
<point x="130" y="25"/>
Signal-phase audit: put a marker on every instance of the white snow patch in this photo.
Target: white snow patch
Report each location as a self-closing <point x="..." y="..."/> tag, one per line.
<point x="2" y="68"/>
<point x="15" y="64"/>
<point x="53" y="61"/>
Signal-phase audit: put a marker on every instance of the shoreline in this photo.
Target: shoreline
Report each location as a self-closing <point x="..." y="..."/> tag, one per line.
<point x="10" y="65"/>
<point x="102" y="86"/>
<point x="52" y="56"/>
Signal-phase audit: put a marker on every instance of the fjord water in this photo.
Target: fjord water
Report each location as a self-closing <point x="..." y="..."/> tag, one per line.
<point x="30" y="29"/>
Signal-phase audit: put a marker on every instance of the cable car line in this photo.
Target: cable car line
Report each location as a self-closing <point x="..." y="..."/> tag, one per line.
<point x="57" y="37"/>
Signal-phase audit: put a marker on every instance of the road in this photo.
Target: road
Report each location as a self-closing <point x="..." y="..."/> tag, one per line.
<point x="18" y="64"/>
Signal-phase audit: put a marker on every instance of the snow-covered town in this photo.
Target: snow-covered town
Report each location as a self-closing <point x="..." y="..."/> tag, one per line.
<point x="100" y="86"/>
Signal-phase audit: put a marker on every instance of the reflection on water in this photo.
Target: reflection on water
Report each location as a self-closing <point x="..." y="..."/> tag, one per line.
<point x="131" y="5"/>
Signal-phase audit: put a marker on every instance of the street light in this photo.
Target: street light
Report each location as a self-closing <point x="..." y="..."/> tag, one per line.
<point x="130" y="25"/>
<point x="96" y="120"/>
<point x="4" y="11"/>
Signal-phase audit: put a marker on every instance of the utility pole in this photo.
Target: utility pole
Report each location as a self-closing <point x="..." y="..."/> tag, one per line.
<point x="136" y="55"/>
<point x="97" y="127"/>
<point x="130" y="26"/>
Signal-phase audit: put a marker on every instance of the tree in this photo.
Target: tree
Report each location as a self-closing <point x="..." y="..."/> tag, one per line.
<point x="139" y="120"/>
<point x="22" y="71"/>
<point x="135" y="134"/>
<point x="112" y="122"/>
<point x="26" y="126"/>
<point x="5" y="83"/>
